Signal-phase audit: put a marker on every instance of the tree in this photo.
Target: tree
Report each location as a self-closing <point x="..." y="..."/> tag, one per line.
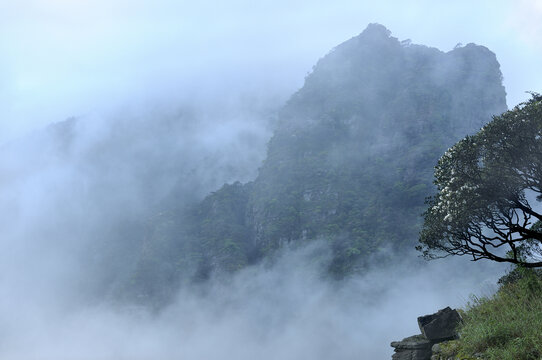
<point x="489" y="192"/>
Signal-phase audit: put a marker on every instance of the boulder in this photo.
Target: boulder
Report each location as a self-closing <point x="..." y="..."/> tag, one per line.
<point x="412" y="355"/>
<point x="415" y="347"/>
<point x="441" y="325"/>
<point x="435" y="328"/>
<point x="412" y="343"/>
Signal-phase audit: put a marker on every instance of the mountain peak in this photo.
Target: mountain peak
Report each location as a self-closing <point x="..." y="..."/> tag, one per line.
<point x="376" y="30"/>
<point x="351" y="160"/>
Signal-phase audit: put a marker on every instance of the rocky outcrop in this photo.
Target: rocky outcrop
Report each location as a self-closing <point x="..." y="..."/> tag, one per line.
<point x="435" y="328"/>
<point x="351" y="160"/>
<point x="415" y="347"/>
<point x="440" y="326"/>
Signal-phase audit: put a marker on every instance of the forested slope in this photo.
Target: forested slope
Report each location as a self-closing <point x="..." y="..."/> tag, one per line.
<point x="350" y="162"/>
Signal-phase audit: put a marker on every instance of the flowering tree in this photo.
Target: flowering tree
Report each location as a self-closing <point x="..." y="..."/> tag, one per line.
<point x="489" y="191"/>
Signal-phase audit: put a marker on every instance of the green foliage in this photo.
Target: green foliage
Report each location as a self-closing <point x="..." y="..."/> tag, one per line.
<point x="482" y="208"/>
<point x="453" y="350"/>
<point x="506" y="326"/>
<point x="518" y="273"/>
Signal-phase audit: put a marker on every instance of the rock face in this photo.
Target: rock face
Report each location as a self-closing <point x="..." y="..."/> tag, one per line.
<point x="351" y="161"/>
<point x="415" y="347"/>
<point x="435" y="328"/>
<point x="441" y="325"/>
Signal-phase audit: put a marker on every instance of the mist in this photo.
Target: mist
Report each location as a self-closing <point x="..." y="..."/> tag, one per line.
<point x="271" y="311"/>
<point x="62" y="58"/>
<point x="113" y="113"/>
<point x="65" y="192"/>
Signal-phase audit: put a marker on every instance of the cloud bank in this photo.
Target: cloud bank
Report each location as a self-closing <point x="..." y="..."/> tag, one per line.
<point x="281" y="311"/>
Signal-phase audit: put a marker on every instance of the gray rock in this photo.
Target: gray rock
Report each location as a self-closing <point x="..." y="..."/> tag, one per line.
<point x="419" y="354"/>
<point x="441" y="325"/>
<point x="436" y="349"/>
<point x="415" y="347"/>
<point x="412" y="343"/>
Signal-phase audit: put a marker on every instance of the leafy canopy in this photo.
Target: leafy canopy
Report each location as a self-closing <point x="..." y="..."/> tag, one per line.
<point x="487" y="185"/>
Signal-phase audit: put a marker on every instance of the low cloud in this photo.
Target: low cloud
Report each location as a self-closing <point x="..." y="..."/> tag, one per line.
<point x="284" y="310"/>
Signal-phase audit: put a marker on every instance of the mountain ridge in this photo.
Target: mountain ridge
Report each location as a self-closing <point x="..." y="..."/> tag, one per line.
<point x="350" y="161"/>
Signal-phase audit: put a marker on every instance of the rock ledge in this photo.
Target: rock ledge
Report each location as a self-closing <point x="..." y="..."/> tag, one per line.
<point x="435" y="328"/>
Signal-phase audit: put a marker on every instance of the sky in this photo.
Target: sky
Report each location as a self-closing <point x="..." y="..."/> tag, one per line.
<point x="63" y="58"/>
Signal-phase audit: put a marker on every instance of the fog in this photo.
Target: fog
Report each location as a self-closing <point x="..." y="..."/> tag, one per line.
<point x="67" y="193"/>
<point x="283" y="310"/>
<point x="64" y="58"/>
<point x="166" y="102"/>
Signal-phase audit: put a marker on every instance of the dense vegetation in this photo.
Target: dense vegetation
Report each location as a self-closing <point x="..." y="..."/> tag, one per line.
<point x="350" y="162"/>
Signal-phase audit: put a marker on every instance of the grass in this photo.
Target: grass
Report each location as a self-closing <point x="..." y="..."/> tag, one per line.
<point x="506" y="326"/>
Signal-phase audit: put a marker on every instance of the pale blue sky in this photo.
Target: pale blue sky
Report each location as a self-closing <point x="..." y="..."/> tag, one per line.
<point x="61" y="58"/>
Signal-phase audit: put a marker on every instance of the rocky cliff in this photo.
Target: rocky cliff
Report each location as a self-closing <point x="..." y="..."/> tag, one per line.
<point x="350" y="161"/>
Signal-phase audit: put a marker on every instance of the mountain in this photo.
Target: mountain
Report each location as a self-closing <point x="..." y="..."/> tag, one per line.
<point x="350" y="162"/>
<point x="79" y="192"/>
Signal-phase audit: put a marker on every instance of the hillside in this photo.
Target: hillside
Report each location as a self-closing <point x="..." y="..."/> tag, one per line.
<point x="350" y="161"/>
